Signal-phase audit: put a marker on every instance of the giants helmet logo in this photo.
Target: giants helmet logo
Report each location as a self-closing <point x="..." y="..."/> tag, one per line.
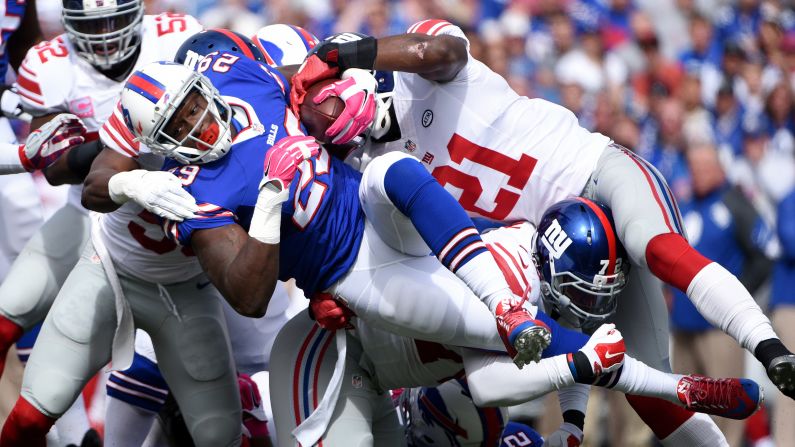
<point x="556" y="240"/>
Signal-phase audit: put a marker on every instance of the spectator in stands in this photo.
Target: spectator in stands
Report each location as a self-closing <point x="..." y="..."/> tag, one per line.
<point x="722" y="224"/>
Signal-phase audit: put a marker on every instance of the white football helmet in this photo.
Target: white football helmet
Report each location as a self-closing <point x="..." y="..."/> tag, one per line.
<point x="154" y="94"/>
<point x="284" y="44"/>
<point x="103" y="32"/>
<point x="446" y="416"/>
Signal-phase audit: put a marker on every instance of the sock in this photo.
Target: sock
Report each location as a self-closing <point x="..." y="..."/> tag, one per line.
<point x="574" y="401"/>
<point x="636" y="378"/>
<point x="26" y="426"/>
<point x="10" y="332"/>
<point x="73" y="424"/>
<point x="662" y="417"/>
<point x="446" y="228"/>
<point x="717" y="294"/>
<point x="126" y="424"/>
<point x="698" y="431"/>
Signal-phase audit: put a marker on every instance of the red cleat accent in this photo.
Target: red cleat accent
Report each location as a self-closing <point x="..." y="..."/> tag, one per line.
<point x="730" y="398"/>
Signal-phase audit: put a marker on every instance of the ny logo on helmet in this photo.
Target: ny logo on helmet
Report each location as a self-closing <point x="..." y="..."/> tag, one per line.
<point x="556" y="240"/>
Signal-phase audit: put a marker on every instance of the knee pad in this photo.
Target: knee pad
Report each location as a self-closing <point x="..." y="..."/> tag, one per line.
<point x="203" y="348"/>
<point x="217" y="431"/>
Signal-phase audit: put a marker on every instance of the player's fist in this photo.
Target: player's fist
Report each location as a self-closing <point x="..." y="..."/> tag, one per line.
<point x="357" y="89"/>
<point x="284" y="157"/>
<point x="329" y="313"/>
<point x="255" y="422"/>
<point x="605" y="349"/>
<point x="45" y="144"/>
<point x="568" y="435"/>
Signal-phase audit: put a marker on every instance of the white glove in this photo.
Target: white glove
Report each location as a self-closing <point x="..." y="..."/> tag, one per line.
<point x="568" y="435"/>
<point x="159" y="192"/>
<point x="605" y="349"/>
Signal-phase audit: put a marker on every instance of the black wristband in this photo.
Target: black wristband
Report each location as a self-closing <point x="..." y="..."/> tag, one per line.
<point x="79" y="158"/>
<point x="583" y="367"/>
<point x="769" y="349"/>
<point x="575" y="417"/>
<point x="357" y="54"/>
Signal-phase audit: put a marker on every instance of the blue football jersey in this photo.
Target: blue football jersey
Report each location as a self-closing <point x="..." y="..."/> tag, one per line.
<point x="11" y="13"/>
<point x="322" y="220"/>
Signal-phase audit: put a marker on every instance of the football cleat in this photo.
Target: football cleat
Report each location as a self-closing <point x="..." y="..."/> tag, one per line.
<point x="729" y="398"/>
<point x="782" y="373"/>
<point x="524" y="337"/>
<point x="605" y="349"/>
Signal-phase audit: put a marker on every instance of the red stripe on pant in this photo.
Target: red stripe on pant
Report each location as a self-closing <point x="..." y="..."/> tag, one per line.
<point x="26" y="426"/>
<point x="662" y="417"/>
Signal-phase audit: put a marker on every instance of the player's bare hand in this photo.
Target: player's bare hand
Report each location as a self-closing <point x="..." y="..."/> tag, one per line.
<point x="159" y="192"/>
<point x="47" y="143"/>
<point x="357" y="89"/>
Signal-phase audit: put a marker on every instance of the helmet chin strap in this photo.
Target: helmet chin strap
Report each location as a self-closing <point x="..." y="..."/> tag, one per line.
<point x="383" y="119"/>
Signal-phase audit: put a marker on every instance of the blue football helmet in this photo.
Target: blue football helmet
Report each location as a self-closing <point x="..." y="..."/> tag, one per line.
<point x="446" y="416"/>
<point x="104" y="33"/>
<point x="199" y="45"/>
<point x="581" y="263"/>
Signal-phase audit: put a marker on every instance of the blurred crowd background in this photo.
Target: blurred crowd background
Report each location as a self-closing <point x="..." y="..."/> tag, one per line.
<point x="703" y="89"/>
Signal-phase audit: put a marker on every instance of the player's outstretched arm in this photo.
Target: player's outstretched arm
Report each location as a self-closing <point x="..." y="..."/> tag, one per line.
<point x="243" y="269"/>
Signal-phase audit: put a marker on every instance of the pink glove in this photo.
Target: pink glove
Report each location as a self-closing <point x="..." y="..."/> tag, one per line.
<point x="329" y="313"/>
<point x="285" y="156"/>
<point x="357" y="89"/>
<point x="45" y="144"/>
<point x="255" y="423"/>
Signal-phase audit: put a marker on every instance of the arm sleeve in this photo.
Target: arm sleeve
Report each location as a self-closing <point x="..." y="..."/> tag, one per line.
<point x="752" y="234"/>
<point x="494" y="380"/>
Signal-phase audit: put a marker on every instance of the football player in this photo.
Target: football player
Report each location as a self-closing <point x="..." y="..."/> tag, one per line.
<point x="393" y="361"/>
<point x="508" y="157"/>
<point x="80" y="72"/>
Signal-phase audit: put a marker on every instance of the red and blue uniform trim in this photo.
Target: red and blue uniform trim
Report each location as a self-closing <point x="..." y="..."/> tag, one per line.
<point x="306" y="373"/>
<point x="146" y="86"/>
<point x="661" y="192"/>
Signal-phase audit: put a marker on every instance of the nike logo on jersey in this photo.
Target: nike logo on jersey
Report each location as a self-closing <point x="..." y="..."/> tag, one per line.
<point x="201" y="285"/>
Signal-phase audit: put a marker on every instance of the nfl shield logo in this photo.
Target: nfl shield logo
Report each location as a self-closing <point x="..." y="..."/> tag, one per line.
<point x="410" y="146"/>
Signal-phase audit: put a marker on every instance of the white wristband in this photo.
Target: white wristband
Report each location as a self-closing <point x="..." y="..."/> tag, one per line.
<point x="118" y="183"/>
<point x="9" y="159"/>
<point x="266" y="221"/>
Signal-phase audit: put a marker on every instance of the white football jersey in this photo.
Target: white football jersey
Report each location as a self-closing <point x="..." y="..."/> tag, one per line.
<point x="399" y="361"/>
<point x="503" y="156"/>
<point x="53" y="78"/>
